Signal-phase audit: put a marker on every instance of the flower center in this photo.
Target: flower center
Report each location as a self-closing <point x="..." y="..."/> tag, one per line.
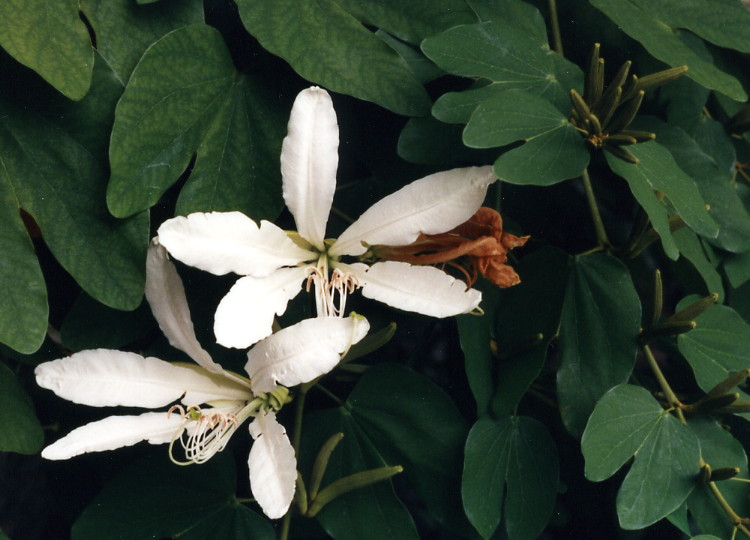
<point x="330" y="292"/>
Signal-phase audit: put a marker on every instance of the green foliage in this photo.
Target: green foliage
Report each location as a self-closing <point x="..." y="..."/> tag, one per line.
<point x="116" y="115"/>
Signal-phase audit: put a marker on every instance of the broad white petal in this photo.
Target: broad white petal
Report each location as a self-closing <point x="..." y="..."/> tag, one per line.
<point x="166" y="296"/>
<point x="302" y="352"/>
<point x="224" y="387"/>
<point x="116" y="432"/>
<point x="224" y="242"/>
<point x="434" y="204"/>
<point x="245" y="314"/>
<point x="309" y="159"/>
<point x="422" y="289"/>
<point x="273" y="467"/>
<point x="102" y="377"/>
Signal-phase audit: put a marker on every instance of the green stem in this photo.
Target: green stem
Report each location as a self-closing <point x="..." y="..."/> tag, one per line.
<point x="601" y="233"/>
<point x="556" y="38"/>
<point x="668" y="392"/>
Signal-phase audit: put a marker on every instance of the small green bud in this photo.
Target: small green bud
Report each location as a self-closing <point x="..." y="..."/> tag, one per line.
<point x="695" y="309"/>
<point x="350" y="483"/>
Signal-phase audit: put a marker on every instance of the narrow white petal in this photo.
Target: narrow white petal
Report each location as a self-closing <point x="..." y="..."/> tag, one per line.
<point x="166" y="296"/>
<point x="224" y="242"/>
<point x="434" y="204"/>
<point x="302" y="352"/>
<point x="116" y="432"/>
<point x="273" y="467"/>
<point x="245" y="315"/>
<point x="309" y="159"/>
<point x="422" y="289"/>
<point x="215" y="387"/>
<point x="103" y="377"/>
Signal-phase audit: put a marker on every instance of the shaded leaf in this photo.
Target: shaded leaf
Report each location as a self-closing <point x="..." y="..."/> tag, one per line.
<point x="601" y="317"/>
<point x="553" y="151"/>
<point x="124" y="29"/>
<point x="516" y="13"/>
<point x="51" y="39"/>
<point x="510" y="472"/>
<point x="641" y="21"/>
<point x="717" y="347"/>
<point x="414" y="424"/>
<point x="373" y="512"/>
<point x="328" y="45"/>
<point x="692" y="249"/>
<point x="170" y="501"/>
<point x="21" y="431"/>
<point x="429" y="141"/>
<point x="62" y="186"/>
<point x="186" y="97"/>
<point x="628" y="421"/>
<point x="507" y="56"/>
<point x="658" y="171"/>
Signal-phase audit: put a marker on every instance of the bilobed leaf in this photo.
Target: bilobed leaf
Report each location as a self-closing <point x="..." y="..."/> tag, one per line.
<point x="20" y="431"/>
<point x="544" y="275"/>
<point x="328" y="45"/>
<point x="713" y="178"/>
<point x="410" y="21"/>
<point x="717" y="347"/>
<point x="62" y="186"/>
<point x="186" y="97"/>
<point x="719" y="449"/>
<point x="23" y="295"/>
<point x="601" y="317"/>
<point x="124" y="29"/>
<point x="516" y="13"/>
<point x="641" y="21"/>
<point x="183" y="502"/>
<point x="51" y="39"/>
<point x="628" y="421"/>
<point x="368" y="513"/>
<point x="416" y="425"/>
<point x="507" y="56"/>
<point x="658" y="171"/>
<point x="692" y="249"/>
<point x="475" y="333"/>
<point x="737" y="268"/>
<point x="510" y="473"/>
<point x="554" y="151"/>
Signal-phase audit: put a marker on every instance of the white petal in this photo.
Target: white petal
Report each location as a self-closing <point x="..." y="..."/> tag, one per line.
<point x="224" y="242"/>
<point x="116" y="432"/>
<point x="309" y="159"/>
<point x="273" y="467"/>
<point x="302" y="352"/>
<point x="434" y="204"/>
<point x="166" y="296"/>
<point x="422" y="289"/>
<point x="245" y="314"/>
<point x="103" y="377"/>
<point x="215" y="387"/>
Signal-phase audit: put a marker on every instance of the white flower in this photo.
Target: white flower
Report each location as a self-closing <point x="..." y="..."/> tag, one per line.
<point x="212" y="402"/>
<point x="276" y="264"/>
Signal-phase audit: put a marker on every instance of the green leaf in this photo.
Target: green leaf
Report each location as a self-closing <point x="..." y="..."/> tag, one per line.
<point x="21" y="431"/>
<point x="737" y="268"/>
<point x="646" y="24"/>
<point x="328" y="45"/>
<point x="718" y="449"/>
<point x="429" y="141"/>
<point x="185" y="502"/>
<point x="713" y="179"/>
<point x="417" y="425"/>
<point x="186" y="97"/>
<point x="124" y="30"/>
<point x="692" y="249"/>
<point x="515" y="13"/>
<point x="628" y="421"/>
<point x="410" y="21"/>
<point x="91" y="325"/>
<point x="62" y="186"/>
<point x="510" y="472"/>
<point x="51" y="39"/>
<point x="23" y="296"/>
<point x="554" y="151"/>
<point x="475" y="334"/>
<point x="506" y="55"/>
<point x="658" y="171"/>
<point x="544" y="275"/>
<point x="601" y="317"/>
<point x="370" y="513"/>
<point x="717" y="347"/>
